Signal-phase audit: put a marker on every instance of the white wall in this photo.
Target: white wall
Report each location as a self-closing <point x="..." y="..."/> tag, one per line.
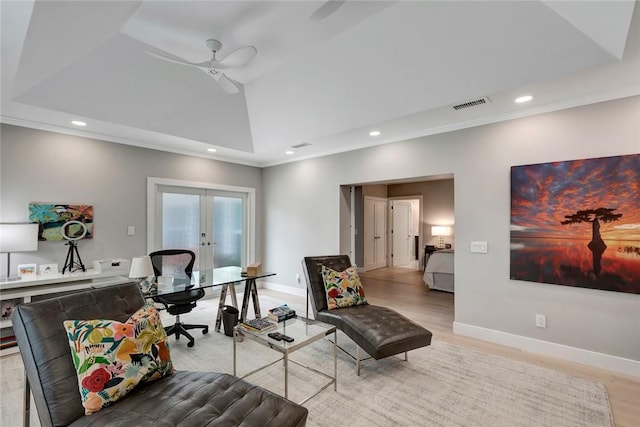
<point x="39" y="166"/>
<point x="302" y="218"/>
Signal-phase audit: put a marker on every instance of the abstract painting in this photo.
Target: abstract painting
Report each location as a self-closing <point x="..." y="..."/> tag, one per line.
<point x="51" y="217"/>
<point x="577" y="223"/>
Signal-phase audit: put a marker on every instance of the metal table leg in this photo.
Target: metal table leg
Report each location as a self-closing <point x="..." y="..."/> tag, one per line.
<point x="223" y="298"/>
<point x="235" y="335"/>
<point x="286" y="375"/>
<point x="335" y="360"/>
<point x="250" y="292"/>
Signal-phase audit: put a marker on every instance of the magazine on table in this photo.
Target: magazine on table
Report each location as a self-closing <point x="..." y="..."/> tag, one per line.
<point x="281" y="313"/>
<point x="258" y="325"/>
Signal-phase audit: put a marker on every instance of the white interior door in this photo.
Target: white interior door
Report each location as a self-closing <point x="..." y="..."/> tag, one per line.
<point x="402" y="232"/>
<point x="375" y="233"/>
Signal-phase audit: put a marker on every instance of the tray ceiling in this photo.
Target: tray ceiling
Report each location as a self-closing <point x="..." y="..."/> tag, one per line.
<point x="397" y="67"/>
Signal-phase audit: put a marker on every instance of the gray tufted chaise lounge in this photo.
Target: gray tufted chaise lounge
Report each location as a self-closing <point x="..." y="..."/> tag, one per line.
<point x="183" y="399"/>
<point x="380" y="331"/>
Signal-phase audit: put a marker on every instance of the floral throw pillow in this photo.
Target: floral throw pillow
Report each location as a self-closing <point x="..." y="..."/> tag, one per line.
<point x="343" y="288"/>
<point x="112" y="357"/>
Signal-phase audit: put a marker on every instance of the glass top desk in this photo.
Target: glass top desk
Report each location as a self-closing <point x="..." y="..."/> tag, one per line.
<point x="225" y="277"/>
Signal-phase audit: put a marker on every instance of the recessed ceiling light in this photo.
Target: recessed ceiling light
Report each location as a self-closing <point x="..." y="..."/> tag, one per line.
<point x="78" y="123"/>
<point x="374" y="133"/>
<point x="213" y="150"/>
<point x="288" y="152"/>
<point x="522" y="99"/>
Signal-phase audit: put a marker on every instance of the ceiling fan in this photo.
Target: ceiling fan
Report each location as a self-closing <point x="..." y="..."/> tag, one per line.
<point x="326" y="9"/>
<point x="213" y="66"/>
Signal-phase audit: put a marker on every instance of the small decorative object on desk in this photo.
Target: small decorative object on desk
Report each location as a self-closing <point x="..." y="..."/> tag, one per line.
<point x="46" y="269"/>
<point x="281" y="313"/>
<point x="26" y="270"/>
<point x="254" y="269"/>
<point x="258" y="325"/>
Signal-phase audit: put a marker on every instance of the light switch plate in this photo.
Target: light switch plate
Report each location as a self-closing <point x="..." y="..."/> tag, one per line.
<point x="479" y="247"/>
<point x="131" y="230"/>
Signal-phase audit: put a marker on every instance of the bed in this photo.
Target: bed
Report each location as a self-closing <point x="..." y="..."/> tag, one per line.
<point x="438" y="273"/>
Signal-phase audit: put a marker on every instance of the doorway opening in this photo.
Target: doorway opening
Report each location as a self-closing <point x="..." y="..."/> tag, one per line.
<point x="432" y="204"/>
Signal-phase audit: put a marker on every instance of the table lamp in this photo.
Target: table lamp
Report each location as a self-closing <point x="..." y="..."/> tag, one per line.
<point x="440" y="231"/>
<point x="142" y="269"/>
<point x="17" y="237"/>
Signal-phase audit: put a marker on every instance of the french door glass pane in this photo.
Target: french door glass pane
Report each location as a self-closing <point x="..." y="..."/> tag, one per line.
<point x="181" y="222"/>
<point x="227" y="231"/>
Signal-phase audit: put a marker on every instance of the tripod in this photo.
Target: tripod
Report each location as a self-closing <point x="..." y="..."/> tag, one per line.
<point x="70" y="263"/>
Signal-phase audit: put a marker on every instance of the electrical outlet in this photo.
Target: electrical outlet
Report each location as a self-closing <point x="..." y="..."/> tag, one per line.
<point x="541" y="320"/>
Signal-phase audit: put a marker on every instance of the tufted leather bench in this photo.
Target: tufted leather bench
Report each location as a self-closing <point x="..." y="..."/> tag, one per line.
<point x="183" y="399"/>
<point x="380" y="331"/>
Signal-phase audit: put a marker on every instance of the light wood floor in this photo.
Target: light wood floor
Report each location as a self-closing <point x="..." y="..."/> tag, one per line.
<point x="404" y="291"/>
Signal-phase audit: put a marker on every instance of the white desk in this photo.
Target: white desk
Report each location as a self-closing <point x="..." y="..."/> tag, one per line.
<point x="41" y="286"/>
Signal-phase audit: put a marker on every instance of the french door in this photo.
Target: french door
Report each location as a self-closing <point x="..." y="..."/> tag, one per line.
<point x="213" y="223"/>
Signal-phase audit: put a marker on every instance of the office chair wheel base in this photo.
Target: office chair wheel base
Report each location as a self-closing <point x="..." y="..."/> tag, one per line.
<point x="190" y="344"/>
<point x="205" y="331"/>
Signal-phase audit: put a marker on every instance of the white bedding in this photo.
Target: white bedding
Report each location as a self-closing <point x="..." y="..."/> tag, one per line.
<point x="439" y="271"/>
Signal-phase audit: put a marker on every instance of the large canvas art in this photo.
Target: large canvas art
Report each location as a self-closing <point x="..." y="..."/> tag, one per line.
<point x="577" y="223"/>
<point x="51" y="217"/>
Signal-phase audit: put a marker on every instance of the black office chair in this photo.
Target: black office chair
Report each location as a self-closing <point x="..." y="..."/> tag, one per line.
<point x="178" y="263"/>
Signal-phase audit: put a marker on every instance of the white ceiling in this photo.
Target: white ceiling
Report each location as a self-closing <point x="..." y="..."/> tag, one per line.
<point x="397" y="67"/>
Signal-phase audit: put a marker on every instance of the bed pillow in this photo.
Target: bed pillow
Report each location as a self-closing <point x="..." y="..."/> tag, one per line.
<point x="111" y="357"/>
<point x="343" y="288"/>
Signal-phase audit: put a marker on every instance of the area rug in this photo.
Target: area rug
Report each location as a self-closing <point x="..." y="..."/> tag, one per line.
<point x="440" y="385"/>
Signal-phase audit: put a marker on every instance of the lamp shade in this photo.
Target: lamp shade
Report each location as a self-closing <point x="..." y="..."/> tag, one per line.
<point x="440" y="230"/>
<point x="141" y="267"/>
<point x="18" y="237"/>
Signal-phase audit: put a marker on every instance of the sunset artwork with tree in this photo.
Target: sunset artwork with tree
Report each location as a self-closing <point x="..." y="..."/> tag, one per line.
<point x="577" y="223"/>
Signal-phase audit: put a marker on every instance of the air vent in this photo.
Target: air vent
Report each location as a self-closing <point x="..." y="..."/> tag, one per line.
<point x="470" y="104"/>
<point x="304" y="144"/>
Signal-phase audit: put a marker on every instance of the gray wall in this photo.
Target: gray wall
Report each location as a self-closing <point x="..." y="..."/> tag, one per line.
<point x="39" y="166"/>
<point x="304" y="219"/>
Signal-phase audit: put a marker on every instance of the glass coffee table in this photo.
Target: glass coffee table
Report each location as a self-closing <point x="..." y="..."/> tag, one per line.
<point x="304" y="332"/>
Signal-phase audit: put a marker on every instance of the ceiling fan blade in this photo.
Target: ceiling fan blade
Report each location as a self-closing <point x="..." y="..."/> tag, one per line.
<point x="326" y="9"/>
<point x="237" y="58"/>
<point x="175" y="61"/>
<point x="227" y="85"/>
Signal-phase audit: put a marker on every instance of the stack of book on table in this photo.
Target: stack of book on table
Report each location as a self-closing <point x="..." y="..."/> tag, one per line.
<point x="258" y="325"/>
<point x="281" y="313"/>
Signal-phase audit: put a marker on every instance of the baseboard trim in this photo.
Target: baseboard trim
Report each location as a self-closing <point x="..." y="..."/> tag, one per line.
<point x="301" y="292"/>
<point x="573" y="354"/>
